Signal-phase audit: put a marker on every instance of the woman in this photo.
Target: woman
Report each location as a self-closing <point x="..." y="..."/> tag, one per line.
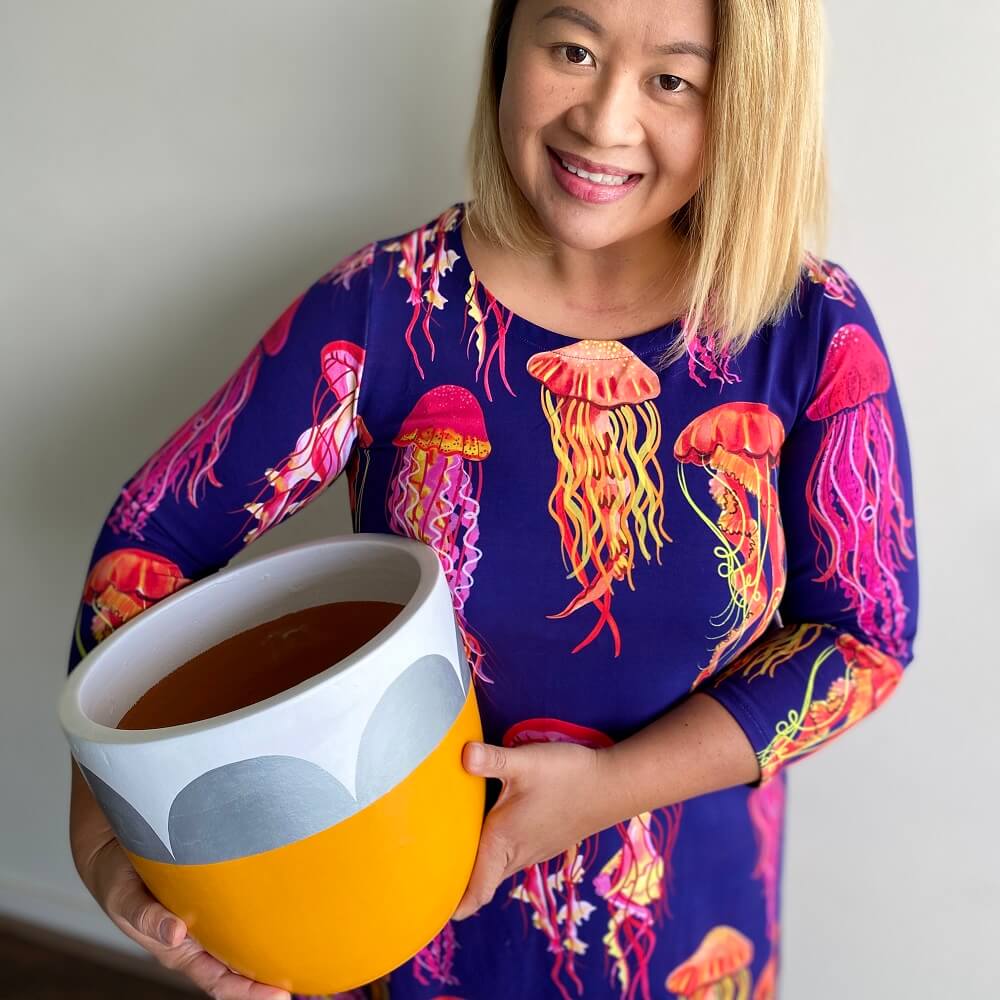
<point x="658" y="448"/>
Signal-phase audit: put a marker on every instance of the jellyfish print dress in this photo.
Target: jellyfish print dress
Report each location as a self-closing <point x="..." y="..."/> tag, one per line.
<point x="614" y="538"/>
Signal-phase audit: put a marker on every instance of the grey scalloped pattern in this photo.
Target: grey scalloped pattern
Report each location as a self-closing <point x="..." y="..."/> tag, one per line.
<point x="409" y="721"/>
<point x="463" y="663"/>
<point x="129" y="826"/>
<point x="254" y="805"/>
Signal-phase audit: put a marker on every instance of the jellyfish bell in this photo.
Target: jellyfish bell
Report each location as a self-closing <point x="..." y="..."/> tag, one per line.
<point x="719" y="968"/>
<point x="854" y="371"/>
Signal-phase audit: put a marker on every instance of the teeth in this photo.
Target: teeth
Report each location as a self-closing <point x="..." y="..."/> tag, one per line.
<point x="609" y="179"/>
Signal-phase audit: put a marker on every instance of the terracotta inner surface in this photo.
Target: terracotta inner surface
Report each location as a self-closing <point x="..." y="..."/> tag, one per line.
<point x="261" y="662"/>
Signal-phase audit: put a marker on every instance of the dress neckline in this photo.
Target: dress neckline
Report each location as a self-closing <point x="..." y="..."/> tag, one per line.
<point x="644" y="343"/>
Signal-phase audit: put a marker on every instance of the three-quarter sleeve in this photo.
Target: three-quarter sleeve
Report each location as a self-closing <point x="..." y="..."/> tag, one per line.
<point x="273" y="436"/>
<point x="848" y="614"/>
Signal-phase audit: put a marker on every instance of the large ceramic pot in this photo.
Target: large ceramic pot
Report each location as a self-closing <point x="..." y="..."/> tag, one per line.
<point x="321" y="837"/>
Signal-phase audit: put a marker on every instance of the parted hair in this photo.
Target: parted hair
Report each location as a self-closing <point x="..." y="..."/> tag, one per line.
<point x="762" y="202"/>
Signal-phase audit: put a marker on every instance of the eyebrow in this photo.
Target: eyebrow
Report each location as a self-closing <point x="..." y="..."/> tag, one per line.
<point x="584" y="20"/>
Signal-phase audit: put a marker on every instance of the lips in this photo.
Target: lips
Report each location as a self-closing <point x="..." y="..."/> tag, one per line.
<point x="590" y="166"/>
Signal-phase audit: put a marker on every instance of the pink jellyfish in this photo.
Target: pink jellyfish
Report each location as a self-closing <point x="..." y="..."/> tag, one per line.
<point x="187" y="461"/>
<point x="836" y="281"/>
<point x="634" y="883"/>
<point x="432" y="497"/>
<point x="436" y="960"/>
<point x="550" y="888"/>
<point x="855" y="498"/>
<point x="320" y="451"/>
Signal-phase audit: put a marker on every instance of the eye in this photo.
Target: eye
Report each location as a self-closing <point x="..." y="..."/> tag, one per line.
<point x="573" y="50"/>
<point x="676" y="85"/>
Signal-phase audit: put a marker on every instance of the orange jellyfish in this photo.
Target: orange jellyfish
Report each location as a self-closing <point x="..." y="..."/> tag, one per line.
<point x="415" y="259"/>
<point x="634" y="884"/>
<point x="321" y="451"/>
<point x="608" y="497"/>
<point x="738" y="445"/>
<point x="869" y="679"/>
<point x="718" y="970"/>
<point x="123" y="583"/>
<point x="187" y="461"/>
<point x="434" y="492"/>
<point x="478" y="336"/>
<point x="550" y="888"/>
<point x="854" y="494"/>
<point x="766" y="805"/>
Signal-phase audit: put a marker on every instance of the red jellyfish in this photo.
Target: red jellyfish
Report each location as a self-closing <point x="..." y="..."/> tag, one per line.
<point x="855" y="498"/>
<point x="718" y="970"/>
<point x="766" y="805"/>
<point x="187" y="461"/>
<point x="320" y="451"/>
<point x="739" y="445"/>
<point x="123" y="583"/>
<point x="608" y="497"/>
<point x="550" y="888"/>
<point x="634" y="883"/>
<point x="435" y="488"/>
<point x="415" y="259"/>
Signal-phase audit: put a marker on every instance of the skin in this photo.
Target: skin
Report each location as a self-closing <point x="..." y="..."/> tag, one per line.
<point x="610" y="99"/>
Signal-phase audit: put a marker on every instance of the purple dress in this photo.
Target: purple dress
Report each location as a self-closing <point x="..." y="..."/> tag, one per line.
<point x="614" y="537"/>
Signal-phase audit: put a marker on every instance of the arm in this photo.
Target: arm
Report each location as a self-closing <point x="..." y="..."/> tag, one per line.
<point x="272" y="437"/>
<point x="848" y="614"/>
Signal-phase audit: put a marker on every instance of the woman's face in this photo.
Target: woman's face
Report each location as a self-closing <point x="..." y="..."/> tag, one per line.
<point x="621" y="83"/>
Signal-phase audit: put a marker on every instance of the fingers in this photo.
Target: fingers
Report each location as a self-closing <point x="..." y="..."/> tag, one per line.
<point x="493" y="862"/>
<point x="137" y="913"/>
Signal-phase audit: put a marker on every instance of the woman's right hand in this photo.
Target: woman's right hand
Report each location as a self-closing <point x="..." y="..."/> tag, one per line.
<point x="119" y="890"/>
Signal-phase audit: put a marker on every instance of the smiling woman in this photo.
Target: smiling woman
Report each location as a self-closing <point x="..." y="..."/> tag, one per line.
<point x="713" y="111"/>
<point x="671" y="581"/>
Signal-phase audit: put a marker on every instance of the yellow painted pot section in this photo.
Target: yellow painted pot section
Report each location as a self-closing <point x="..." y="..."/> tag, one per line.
<point x="338" y="909"/>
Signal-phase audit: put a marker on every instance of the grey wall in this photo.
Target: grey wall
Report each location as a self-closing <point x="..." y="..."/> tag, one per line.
<point x="173" y="174"/>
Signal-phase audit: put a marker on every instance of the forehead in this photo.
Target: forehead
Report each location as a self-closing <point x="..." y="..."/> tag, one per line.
<point x="652" y="24"/>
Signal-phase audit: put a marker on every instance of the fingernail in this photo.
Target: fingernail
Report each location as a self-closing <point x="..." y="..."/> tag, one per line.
<point x="166" y="931"/>
<point x="477" y="756"/>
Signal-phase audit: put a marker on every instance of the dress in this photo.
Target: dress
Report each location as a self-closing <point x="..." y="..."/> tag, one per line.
<point x="613" y="537"/>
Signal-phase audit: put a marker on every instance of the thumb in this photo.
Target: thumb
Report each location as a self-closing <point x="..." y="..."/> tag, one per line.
<point x="138" y="908"/>
<point x="488" y="761"/>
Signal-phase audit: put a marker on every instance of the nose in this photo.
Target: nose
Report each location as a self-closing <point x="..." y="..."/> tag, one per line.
<point x="606" y="112"/>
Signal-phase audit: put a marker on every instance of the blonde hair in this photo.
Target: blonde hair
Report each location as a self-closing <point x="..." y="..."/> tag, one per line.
<point x="763" y="196"/>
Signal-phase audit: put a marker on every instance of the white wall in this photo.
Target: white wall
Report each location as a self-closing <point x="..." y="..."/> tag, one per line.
<point x="172" y="174"/>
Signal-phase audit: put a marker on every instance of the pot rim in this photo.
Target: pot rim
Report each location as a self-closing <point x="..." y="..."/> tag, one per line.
<point x="79" y="727"/>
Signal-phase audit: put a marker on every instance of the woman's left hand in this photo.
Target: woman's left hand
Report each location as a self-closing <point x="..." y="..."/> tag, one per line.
<point x="554" y="795"/>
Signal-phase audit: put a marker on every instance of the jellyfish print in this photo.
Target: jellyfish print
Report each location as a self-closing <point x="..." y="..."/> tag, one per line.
<point x="766" y="805"/>
<point x="854" y="493"/>
<point x="434" y="963"/>
<point x="357" y="473"/>
<point x="123" y="583"/>
<point x="718" y="970"/>
<point x="869" y="677"/>
<point x="739" y="445"/>
<point x="608" y="496"/>
<point x="837" y="283"/>
<point x="354" y="264"/>
<point x="415" y="260"/>
<point x="634" y="883"/>
<point x="434" y="493"/>
<point x="186" y="463"/>
<point x="479" y="337"/>
<point x="551" y="888"/>
<point x="321" y="451"/>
